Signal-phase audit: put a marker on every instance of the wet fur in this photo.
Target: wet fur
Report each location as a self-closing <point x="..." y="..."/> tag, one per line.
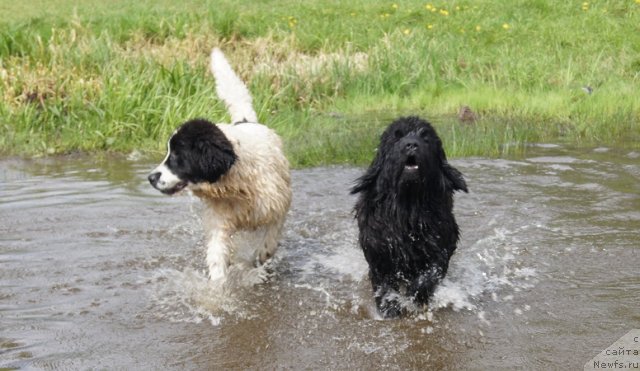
<point x="238" y="170"/>
<point x="405" y="217"/>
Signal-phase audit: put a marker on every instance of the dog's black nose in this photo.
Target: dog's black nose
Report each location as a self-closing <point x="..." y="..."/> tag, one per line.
<point x="411" y="145"/>
<point x="153" y="178"/>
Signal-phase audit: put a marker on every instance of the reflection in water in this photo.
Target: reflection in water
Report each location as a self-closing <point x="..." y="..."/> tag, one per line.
<point x="100" y="271"/>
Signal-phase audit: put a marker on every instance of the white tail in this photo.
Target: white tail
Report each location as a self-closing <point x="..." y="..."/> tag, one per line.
<point x="231" y="89"/>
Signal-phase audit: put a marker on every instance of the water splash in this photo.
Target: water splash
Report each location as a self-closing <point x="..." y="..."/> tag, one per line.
<point x="489" y="266"/>
<point x="190" y="296"/>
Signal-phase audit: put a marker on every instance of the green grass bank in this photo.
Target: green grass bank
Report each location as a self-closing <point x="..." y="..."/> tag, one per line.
<point x="327" y="75"/>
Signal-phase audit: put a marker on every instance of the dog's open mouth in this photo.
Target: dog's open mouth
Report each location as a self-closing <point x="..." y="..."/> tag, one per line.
<point x="411" y="164"/>
<point x="177" y="188"/>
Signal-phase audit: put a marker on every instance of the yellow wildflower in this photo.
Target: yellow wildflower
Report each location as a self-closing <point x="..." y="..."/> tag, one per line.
<point x="394" y="6"/>
<point x="429" y="26"/>
<point x="478" y="28"/>
<point x="429" y="6"/>
<point x="506" y="26"/>
<point x="444" y="12"/>
<point x="406" y="31"/>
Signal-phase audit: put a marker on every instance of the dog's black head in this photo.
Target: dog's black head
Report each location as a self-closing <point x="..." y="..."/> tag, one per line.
<point x="197" y="152"/>
<point x="410" y="158"/>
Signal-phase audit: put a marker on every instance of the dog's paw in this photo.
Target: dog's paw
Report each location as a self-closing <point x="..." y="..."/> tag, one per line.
<point x="257" y="276"/>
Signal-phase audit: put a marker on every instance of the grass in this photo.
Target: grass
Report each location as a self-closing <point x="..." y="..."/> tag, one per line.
<point x="328" y="76"/>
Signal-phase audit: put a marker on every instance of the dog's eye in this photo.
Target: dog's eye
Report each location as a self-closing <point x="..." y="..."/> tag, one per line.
<point x="398" y="134"/>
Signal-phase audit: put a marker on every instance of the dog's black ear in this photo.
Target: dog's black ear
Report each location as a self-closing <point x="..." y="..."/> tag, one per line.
<point x="366" y="181"/>
<point x="216" y="157"/>
<point x="369" y="178"/>
<point x="454" y="177"/>
<point x="204" y="151"/>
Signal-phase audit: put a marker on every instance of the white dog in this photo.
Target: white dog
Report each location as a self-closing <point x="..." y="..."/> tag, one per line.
<point x="238" y="170"/>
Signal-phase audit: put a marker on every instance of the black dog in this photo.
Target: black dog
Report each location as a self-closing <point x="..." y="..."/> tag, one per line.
<point x="405" y="214"/>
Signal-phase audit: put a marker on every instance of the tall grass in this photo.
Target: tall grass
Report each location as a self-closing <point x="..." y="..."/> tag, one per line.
<point x="328" y="76"/>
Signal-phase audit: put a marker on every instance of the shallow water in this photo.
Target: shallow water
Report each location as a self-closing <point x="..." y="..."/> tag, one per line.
<point x="98" y="270"/>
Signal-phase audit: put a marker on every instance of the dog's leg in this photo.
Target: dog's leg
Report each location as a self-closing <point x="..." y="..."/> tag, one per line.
<point x="422" y="287"/>
<point x="270" y="243"/>
<point x="386" y="295"/>
<point x="218" y="254"/>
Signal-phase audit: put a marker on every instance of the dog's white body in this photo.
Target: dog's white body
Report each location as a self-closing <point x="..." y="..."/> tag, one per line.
<point x="254" y="195"/>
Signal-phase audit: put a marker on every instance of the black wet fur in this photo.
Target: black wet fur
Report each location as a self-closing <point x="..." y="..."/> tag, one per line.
<point x="405" y="214"/>
<point x="200" y="152"/>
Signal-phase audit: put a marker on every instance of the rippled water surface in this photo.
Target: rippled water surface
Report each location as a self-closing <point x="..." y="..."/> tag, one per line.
<point x="98" y="270"/>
